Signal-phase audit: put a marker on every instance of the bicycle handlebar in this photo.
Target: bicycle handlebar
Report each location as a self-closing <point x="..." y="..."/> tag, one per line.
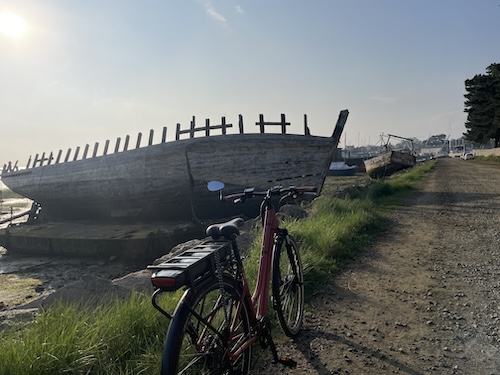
<point x="292" y="191"/>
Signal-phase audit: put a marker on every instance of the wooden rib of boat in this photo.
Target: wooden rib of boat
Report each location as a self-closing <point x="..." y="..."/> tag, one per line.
<point x="167" y="181"/>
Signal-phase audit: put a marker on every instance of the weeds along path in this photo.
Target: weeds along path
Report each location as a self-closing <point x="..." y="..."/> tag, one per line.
<point x="425" y="297"/>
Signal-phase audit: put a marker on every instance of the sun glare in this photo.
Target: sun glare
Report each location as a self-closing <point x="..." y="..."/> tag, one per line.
<point x="12" y="25"/>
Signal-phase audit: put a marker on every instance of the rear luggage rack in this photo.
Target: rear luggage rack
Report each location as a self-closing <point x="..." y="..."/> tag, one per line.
<point x="186" y="267"/>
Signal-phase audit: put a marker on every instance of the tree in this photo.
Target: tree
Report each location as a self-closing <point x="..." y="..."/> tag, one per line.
<point x="436" y="140"/>
<point x="482" y="105"/>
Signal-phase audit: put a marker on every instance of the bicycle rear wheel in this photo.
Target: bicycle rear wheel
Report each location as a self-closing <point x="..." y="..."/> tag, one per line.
<point x="288" y="286"/>
<point x="199" y="337"/>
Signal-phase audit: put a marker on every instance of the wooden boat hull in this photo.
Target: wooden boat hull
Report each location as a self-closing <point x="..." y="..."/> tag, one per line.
<point x="168" y="180"/>
<point x="389" y="163"/>
<point x="138" y="202"/>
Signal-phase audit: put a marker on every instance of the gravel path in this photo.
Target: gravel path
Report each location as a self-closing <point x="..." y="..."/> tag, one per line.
<point x="424" y="299"/>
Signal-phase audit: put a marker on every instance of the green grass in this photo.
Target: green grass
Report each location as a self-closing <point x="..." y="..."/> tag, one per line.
<point x="493" y="159"/>
<point x="126" y="337"/>
<point x="116" y="338"/>
<point x="334" y="232"/>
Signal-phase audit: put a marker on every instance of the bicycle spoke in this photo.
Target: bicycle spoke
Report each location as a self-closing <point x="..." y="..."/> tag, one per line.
<point x="288" y="287"/>
<point x="214" y="326"/>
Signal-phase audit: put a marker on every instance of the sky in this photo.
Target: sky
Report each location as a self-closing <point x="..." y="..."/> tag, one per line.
<point x="76" y="72"/>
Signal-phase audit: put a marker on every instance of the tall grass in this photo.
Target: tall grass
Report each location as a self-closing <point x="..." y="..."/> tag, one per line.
<point x="335" y="230"/>
<point x="126" y="337"/>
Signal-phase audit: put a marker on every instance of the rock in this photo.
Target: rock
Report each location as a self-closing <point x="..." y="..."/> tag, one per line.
<point x="139" y="281"/>
<point x="39" y="289"/>
<point x="89" y="291"/>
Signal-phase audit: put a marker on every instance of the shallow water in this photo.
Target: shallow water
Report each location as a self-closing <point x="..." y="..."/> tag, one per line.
<point x="12" y="204"/>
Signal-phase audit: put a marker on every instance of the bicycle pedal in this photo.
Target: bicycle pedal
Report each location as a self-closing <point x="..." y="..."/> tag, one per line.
<point x="288" y="362"/>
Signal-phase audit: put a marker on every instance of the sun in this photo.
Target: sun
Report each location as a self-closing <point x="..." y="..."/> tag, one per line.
<point x="12" y="25"/>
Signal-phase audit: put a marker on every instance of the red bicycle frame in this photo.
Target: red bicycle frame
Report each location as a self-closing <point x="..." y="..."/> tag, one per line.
<point x="260" y="297"/>
<point x="261" y="293"/>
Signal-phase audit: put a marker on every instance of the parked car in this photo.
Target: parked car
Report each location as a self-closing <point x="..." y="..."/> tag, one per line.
<point x="467" y="156"/>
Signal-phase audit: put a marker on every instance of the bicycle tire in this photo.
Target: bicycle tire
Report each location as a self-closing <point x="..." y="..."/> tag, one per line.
<point x="288" y="286"/>
<point x="192" y="347"/>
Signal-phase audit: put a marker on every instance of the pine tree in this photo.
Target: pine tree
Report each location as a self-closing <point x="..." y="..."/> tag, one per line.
<point x="483" y="106"/>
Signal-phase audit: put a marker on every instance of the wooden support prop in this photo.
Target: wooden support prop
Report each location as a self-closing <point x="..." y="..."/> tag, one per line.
<point x="306" y="128"/>
<point x="139" y="139"/>
<point x="51" y="157"/>
<point x="68" y="153"/>
<point x="29" y="162"/>
<point x="14" y="217"/>
<point x="59" y="154"/>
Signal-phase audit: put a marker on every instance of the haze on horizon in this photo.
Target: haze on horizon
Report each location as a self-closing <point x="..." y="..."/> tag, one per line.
<point x="78" y="72"/>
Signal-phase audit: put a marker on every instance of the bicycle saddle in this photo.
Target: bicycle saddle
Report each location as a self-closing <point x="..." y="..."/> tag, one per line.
<point x="228" y="230"/>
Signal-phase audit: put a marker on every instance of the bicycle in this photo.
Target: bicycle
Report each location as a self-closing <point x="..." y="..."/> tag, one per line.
<point x="217" y="320"/>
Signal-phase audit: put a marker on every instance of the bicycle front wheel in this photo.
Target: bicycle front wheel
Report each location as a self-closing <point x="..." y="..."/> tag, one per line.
<point x="207" y="327"/>
<point x="288" y="285"/>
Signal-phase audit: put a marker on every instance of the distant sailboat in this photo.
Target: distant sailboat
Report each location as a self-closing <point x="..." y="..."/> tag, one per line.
<point x="340" y="168"/>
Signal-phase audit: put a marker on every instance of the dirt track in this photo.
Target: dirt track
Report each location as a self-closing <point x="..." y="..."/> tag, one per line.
<point x="424" y="299"/>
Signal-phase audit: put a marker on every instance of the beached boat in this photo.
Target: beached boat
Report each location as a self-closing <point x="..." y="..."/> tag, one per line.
<point x="391" y="161"/>
<point x="167" y="181"/>
<point x="340" y="168"/>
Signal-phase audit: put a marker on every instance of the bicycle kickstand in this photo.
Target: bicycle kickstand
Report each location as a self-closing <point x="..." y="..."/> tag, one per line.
<point x="285" y="361"/>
